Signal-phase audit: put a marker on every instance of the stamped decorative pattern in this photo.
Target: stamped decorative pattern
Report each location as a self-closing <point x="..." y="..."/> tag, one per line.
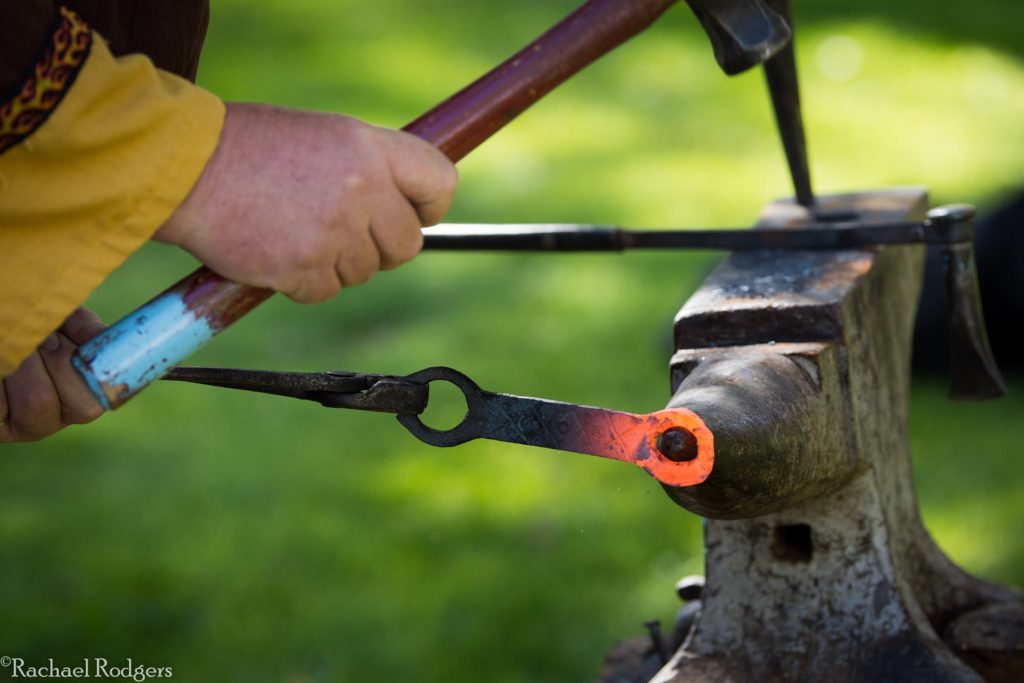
<point x="51" y="78"/>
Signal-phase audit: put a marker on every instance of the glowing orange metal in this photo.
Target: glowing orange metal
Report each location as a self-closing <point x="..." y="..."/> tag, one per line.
<point x="672" y="472"/>
<point x="571" y="427"/>
<point x="634" y="439"/>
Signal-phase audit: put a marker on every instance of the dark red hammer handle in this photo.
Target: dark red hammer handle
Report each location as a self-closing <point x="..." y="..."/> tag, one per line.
<point x="142" y="346"/>
<point x="463" y="121"/>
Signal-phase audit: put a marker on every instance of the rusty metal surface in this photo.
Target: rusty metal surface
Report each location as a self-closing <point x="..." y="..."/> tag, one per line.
<point x="846" y="584"/>
<point x="762" y="297"/>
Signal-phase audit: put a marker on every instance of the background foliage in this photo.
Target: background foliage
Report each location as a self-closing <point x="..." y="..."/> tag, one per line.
<point x="245" y="538"/>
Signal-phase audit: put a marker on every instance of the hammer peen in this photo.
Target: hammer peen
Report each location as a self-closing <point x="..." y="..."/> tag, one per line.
<point x="142" y="346"/>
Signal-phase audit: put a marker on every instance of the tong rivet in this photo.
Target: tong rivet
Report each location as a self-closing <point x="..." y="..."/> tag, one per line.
<point x="677" y="444"/>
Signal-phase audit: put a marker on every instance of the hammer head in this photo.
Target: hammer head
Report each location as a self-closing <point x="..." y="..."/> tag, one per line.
<point x="743" y="33"/>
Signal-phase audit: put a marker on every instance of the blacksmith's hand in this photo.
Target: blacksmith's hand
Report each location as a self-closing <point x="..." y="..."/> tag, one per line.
<point x="307" y="203"/>
<point x="45" y="394"/>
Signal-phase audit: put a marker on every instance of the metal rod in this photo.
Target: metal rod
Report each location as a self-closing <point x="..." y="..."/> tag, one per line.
<point x="576" y="237"/>
<point x="332" y="389"/>
<point x="784" y="87"/>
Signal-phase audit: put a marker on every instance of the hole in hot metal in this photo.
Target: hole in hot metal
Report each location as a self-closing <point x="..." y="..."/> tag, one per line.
<point x="446" y="406"/>
<point x="792" y="543"/>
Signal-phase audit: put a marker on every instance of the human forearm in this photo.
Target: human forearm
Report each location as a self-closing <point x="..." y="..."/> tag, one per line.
<point x="91" y="169"/>
<point x="98" y="153"/>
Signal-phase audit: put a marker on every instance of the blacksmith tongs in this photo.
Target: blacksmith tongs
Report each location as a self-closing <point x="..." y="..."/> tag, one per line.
<point x="674" y="446"/>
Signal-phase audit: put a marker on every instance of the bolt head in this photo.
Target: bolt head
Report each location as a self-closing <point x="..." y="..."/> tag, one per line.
<point x="677" y="444"/>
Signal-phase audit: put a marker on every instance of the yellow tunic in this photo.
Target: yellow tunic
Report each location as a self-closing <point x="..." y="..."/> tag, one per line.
<point x="91" y="182"/>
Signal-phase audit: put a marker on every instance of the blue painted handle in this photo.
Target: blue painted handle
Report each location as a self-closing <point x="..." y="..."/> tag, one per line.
<point x="142" y="346"/>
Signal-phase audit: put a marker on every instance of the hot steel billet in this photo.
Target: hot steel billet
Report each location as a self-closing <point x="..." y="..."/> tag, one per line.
<point x="674" y="446"/>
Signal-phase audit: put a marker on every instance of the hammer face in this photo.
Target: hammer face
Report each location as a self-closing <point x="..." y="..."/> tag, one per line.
<point x="743" y="33"/>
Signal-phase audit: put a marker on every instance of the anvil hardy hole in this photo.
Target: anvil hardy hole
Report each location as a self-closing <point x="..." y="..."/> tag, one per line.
<point x="446" y="406"/>
<point x="792" y="543"/>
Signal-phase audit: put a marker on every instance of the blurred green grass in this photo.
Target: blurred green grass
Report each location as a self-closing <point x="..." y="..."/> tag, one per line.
<point x="245" y="538"/>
